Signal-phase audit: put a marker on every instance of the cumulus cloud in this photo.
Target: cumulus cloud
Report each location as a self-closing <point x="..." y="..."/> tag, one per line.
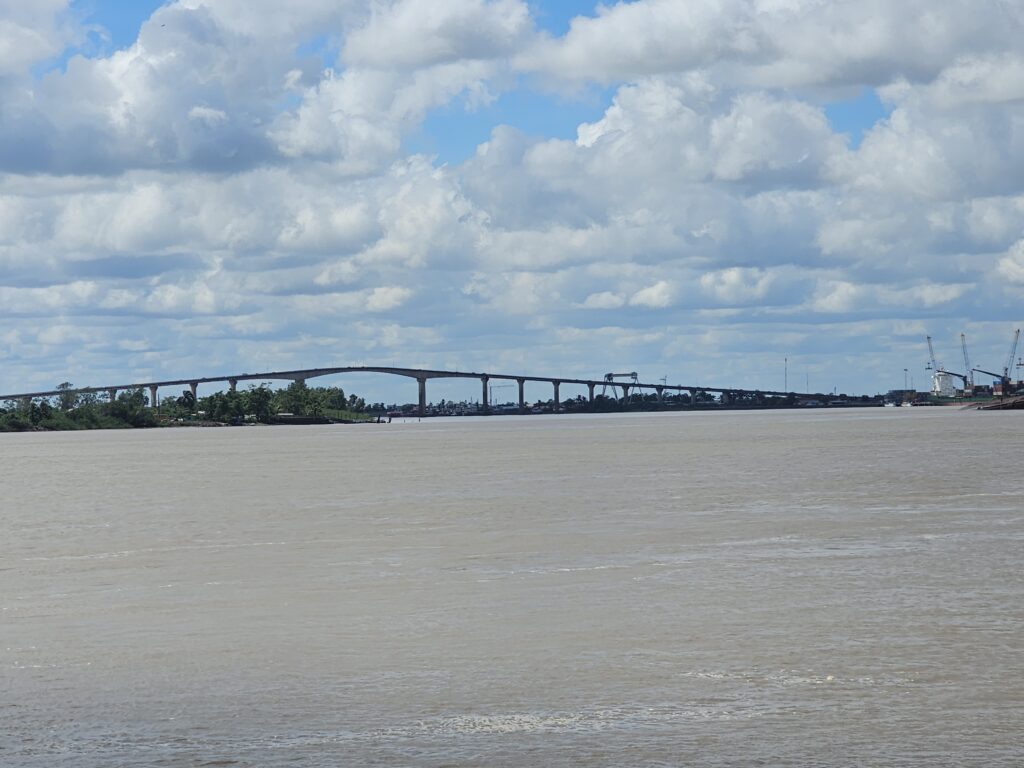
<point x="603" y="300"/>
<point x="657" y="296"/>
<point x="778" y="44"/>
<point x="411" y="34"/>
<point x="737" y="285"/>
<point x="1011" y="266"/>
<point x="33" y="32"/>
<point x="211" y="180"/>
<point x="387" y="297"/>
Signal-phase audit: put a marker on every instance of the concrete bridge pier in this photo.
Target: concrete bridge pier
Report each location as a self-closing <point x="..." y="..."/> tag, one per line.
<point x="193" y="388"/>
<point x="724" y="398"/>
<point x="423" y="395"/>
<point x="558" y="405"/>
<point x="625" y="394"/>
<point x="486" y="406"/>
<point x="522" y="395"/>
<point x="153" y="403"/>
<point x="590" y="392"/>
<point x="112" y="394"/>
<point x="232" y="385"/>
<point x="661" y="394"/>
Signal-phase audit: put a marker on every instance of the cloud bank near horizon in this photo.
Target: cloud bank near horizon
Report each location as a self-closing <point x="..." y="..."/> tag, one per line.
<point x="236" y="190"/>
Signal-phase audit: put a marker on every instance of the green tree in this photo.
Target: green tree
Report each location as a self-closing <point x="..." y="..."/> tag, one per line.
<point x="293" y="399"/>
<point x="258" y="401"/>
<point x="336" y="400"/>
<point x="67" y="399"/>
<point x="187" y="400"/>
<point x="130" y="409"/>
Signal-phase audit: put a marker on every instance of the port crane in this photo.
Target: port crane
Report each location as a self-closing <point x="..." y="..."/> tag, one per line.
<point x="609" y="380"/>
<point x="969" y="381"/>
<point x="932" y="364"/>
<point x="492" y="387"/>
<point x="1004" y="377"/>
<point x="1013" y="353"/>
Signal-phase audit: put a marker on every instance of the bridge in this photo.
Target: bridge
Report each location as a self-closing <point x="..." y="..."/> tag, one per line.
<point x="421" y="376"/>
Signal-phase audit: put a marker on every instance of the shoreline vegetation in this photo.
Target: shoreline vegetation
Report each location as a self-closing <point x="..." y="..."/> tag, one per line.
<point x="301" y="404"/>
<point x="295" y="404"/>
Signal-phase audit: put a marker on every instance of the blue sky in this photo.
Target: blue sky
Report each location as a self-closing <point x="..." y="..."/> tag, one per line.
<point x="692" y="191"/>
<point x="120" y="19"/>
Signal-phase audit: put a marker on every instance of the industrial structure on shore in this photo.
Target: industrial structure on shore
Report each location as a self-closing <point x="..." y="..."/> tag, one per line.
<point x="953" y="387"/>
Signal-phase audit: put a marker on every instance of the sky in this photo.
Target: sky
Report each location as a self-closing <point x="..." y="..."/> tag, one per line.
<point x="719" y="193"/>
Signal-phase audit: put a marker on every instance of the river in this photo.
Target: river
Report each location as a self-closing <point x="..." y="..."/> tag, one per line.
<point x="785" y="588"/>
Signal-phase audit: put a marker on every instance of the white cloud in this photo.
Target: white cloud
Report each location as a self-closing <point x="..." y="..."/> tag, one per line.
<point x="604" y="300"/>
<point x="209" y="182"/>
<point x="31" y="32"/>
<point x="1011" y="266"/>
<point x="778" y="44"/>
<point x="987" y="79"/>
<point x="417" y="33"/>
<point x="737" y="285"/>
<point x="837" y="296"/>
<point x="657" y="296"/>
<point x="208" y="115"/>
<point x="926" y="295"/>
<point x="387" y="297"/>
<point x="790" y="140"/>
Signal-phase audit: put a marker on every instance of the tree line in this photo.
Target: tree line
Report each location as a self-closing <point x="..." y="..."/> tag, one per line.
<point x="71" y="410"/>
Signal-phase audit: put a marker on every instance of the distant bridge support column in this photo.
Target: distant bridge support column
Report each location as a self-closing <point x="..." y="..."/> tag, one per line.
<point x="423" y="396"/>
<point x="558" y="405"/>
<point x="724" y="398"/>
<point x="153" y="402"/>
<point x="193" y="387"/>
<point x="232" y="385"/>
<point x="625" y="394"/>
<point x="522" y="395"/>
<point x="590" y="393"/>
<point x="484" y="399"/>
<point x="693" y="397"/>
<point x="112" y="394"/>
<point x="661" y="394"/>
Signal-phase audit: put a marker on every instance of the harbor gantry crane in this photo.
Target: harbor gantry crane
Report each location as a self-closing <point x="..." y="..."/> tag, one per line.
<point x="1004" y="377"/>
<point x="493" y="387"/>
<point x="969" y="381"/>
<point x="1013" y="354"/>
<point x="932" y="364"/>
<point x="609" y="381"/>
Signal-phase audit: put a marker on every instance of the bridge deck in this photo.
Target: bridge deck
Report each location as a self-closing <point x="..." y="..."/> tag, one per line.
<point x="414" y="373"/>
